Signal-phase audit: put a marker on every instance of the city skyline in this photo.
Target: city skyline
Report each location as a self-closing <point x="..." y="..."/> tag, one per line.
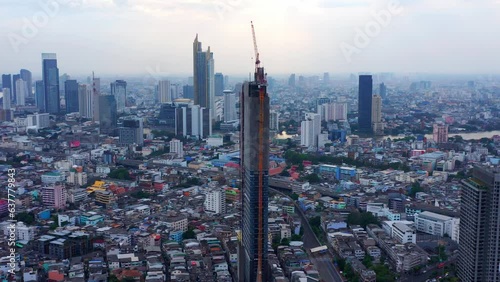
<point x="320" y="33"/>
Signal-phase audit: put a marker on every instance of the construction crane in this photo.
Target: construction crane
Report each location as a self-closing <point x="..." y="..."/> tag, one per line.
<point x="260" y="77"/>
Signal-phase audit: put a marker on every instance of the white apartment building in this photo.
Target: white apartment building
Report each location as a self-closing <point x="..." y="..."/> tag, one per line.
<point x="215" y="201"/>
<point x="437" y="224"/>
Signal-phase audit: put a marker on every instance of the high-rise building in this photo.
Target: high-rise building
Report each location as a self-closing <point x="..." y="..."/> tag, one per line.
<point x="365" y="103"/>
<point x="309" y="130"/>
<point x="377" y="125"/>
<point x="13" y="91"/>
<point x="229" y="106"/>
<point x="274" y="121"/>
<point x="96" y="92"/>
<point x="131" y="132"/>
<point x="326" y="78"/>
<point x="40" y="95"/>
<point x="440" y="133"/>
<point x="219" y="84"/>
<point x="333" y="111"/>
<point x="254" y="144"/>
<point x="175" y="89"/>
<point x="7" y="81"/>
<point x="85" y="101"/>
<point x="188" y="92"/>
<point x="185" y="119"/>
<point x="479" y="248"/>
<point x="6" y="99"/>
<point x="291" y="80"/>
<point x="176" y="147"/>
<point x="164" y="92"/>
<point x="26" y="76"/>
<point x="383" y="91"/>
<point x="21" y="92"/>
<point x="50" y="74"/>
<point x="71" y="96"/>
<point x="119" y="90"/>
<point x="203" y="77"/>
<point x="107" y="114"/>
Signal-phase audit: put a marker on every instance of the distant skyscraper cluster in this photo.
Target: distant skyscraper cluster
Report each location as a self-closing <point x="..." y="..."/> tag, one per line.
<point x="186" y="119"/>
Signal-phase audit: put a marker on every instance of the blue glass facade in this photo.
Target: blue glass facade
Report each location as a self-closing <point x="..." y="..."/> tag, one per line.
<point x="365" y="103"/>
<point x="71" y="96"/>
<point x="50" y="74"/>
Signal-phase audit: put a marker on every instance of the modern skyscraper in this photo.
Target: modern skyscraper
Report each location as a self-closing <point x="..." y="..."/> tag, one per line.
<point x="50" y="74"/>
<point x="383" y="91"/>
<point x="365" y="103"/>
<point x="326" y="78"/>
<point x="107" y="114"/>
<point x="219" y="84"/>
<point x="119" y="90"/>
<point x="164" y="93"/>
<point x="479" y="249"/>
<point x="188" y="92"/>
<point x="254" y="144"/>
<point x="6" y="99"/>
<point x="7" y="81"/>
<point x="377" y="125"/>
<point x="40" y="95"/>
<point x="85" y="103"/>
<point x="13" y="91"/>
<point x="21" y="92"/>
<point x="132" y="132"/>
<point x="203" y="77"/>
<point x="71" y="96"/>
<point x="26" y="76"/>
<point x="96" y="92"/>
<point x="291" y="80"/>
<point x="229" y="106"/>
<point x="440" y="133"/>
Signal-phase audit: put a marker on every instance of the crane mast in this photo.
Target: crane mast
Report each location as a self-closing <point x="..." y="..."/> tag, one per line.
<point x="260" y="76"/>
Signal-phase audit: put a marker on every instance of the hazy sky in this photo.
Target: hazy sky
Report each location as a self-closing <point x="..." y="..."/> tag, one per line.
<point x="300" y="36"/>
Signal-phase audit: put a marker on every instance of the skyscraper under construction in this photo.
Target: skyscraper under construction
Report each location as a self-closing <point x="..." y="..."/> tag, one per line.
<point x="254" y="141"/>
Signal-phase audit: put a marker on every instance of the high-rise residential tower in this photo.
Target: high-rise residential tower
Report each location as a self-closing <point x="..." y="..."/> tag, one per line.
<point x="219" y="84"/>
<point x="26" y="76"/>
<point x="229" y="106"/>
<point x="6" y="99"/>
<point x="377" y="125"/>
<point x="107" y="114"/>
<point x="40" y="95"/>
<point x="164" y="92"/>
<point x="365" y="103"/>
<point x="131" y="132"/>
<point x="50" y="74"/>
<point x="440" y="133"/>
<point x="71" y="96"/>
<point x="203" y="77"/>
<point x="254" y="144"/>
<point x="85" y="101"/>
<point x="383" y="90"/>
<point x="479" y="249"/>
<point x="119" y="90"/>
<point x="96" y="92"/>
<point x="7" y="81"/>
<point x="21" y="92"/>
<point x="310" y="129"/>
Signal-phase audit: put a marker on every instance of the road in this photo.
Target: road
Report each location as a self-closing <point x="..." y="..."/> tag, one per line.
<point x="323" y="262"/>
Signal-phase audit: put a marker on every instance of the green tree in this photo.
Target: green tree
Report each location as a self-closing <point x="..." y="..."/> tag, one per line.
<point x="189" y="234"/>
<point x="368" y="261"/>
<point x="415" y="188"/>
<point x="140" y="195"/>
<point x="296" y="237"/>
<point x="113" y="278"/>
<point x="27" y="218"/>
<point x="120" y="173"/>
<point x="294" y="197"/>
<point x="362" y="218"/>
<point x="312" y="178"/>
<point x="285" y="242"/>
